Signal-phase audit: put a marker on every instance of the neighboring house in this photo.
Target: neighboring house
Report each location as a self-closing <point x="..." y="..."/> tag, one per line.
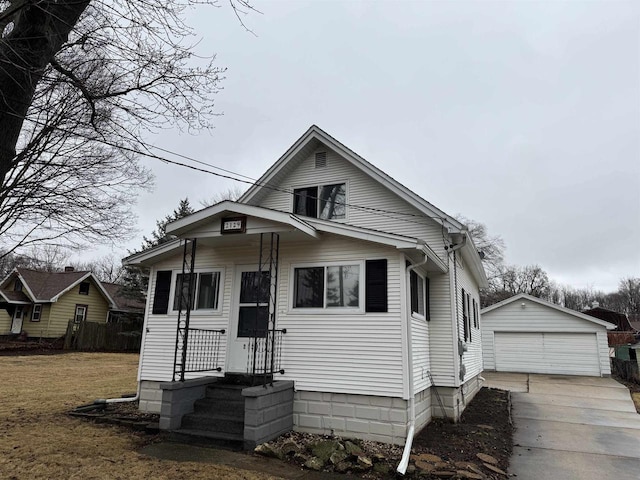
<point x="620" y="320"/>
<point x="365" y="294"/>
<point x="125" y="310"/>
<point x="527" y="334"/>
<point x="42" y="303"/>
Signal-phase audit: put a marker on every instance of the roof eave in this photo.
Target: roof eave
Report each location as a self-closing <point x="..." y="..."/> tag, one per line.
<point x="524" y="296"/>
<point x="314" y="132"/>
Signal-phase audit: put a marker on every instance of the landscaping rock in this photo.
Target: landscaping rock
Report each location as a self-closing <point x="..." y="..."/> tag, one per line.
<point x="338" y="456"/>
<point x="324" y="449"/>
<point x="443" y="473"/>
<point x="382" y="468"/>
<point x="427" y="457"/>
<point x="314" y="463"/>
<point x="268" y="450"/>
<point x="290" y="447"/>
<point x="424" y="466"/>
<point x="487" y="458"/>
<point x="470" y="475"/>
<point x="378" y="457"/>
<point x="365" y="462"/>
<point x="493" y="468"/>
<point x="352" y="448"/>
<point x="343" y="467"/>
<point x="411" y="469"/>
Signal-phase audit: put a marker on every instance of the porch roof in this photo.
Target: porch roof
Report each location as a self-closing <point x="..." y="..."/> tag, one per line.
<point x="198" y="225"/>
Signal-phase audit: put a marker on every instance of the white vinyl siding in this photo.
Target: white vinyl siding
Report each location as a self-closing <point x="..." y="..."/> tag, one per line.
<point x="472" y="358"/>
<point x="441" y="341"/>
<point x="362" y="190"/>
<point x="352" y="353"/>
<point x="544" y="327"/>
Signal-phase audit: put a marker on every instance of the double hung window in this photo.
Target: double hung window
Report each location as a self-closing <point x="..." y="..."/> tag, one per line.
<point x="419" y="295"/>
<point x="328" y="286"/>
<point x="205" y="291"/>
<point x="324" y="201"/>
<point x="36" y="312"/>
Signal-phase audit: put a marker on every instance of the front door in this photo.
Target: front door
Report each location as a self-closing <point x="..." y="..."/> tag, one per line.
<point x="250" y="316"/>
<point x="16" y="324"/>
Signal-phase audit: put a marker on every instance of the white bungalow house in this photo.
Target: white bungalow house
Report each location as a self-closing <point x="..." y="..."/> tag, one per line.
<point x="359" y="297"/>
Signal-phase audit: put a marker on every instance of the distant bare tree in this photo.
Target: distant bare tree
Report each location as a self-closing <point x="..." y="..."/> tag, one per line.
<point x="107" y="268"/>
<point x="232" y="193"/>
<point x="491" y="247"/>
<point x="81" y="83"/>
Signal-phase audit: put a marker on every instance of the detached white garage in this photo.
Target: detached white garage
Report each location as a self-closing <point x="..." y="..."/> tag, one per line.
<point x="527" y="334"/>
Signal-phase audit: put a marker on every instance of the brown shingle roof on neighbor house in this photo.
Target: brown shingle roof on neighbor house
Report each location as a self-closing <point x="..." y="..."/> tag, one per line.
<point x="123" y="303"/>
<point x="15" y="296"/>
<point x="618" y="319"/>
<point x="46" y="285"/>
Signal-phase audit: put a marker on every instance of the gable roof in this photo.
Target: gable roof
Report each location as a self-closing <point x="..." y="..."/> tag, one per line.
<point x="49" y="286"/>
<point x="121" y="302"/>
<point x="524" y="296"/>
<point x="611" y="316"/>
<point x="315" y="134"/>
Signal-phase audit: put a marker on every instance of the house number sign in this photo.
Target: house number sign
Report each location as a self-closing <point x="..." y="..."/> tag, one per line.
<point x="233" y="225"/>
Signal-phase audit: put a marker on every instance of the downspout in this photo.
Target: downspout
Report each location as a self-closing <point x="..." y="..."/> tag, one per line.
<point x="404" y="461"/>
<point x="101" y="401"/>
<point x="461" y="347"/>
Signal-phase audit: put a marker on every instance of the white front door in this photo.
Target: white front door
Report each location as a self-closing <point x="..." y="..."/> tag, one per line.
<point x="249" y="316"/>
<point x="16" y="324"/>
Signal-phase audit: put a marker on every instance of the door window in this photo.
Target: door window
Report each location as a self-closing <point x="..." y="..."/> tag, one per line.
<point x="253" y="312"/>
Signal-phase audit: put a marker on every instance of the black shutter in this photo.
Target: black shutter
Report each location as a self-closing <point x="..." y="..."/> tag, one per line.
<point x="161" y="295"/>
<point x="427" y="301"/>
<point x="465" y="325"/>
<point x="413" y="288"/>
<point x="376" y="286"/>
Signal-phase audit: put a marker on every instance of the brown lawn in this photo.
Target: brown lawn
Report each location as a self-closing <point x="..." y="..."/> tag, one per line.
<point x="39" y="441"/>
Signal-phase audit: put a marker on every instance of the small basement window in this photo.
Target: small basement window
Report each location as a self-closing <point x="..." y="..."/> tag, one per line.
<point x="84" y="288"/>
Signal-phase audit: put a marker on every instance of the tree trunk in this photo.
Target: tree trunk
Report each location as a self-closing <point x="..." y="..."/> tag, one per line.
<point x="39" y="30"/>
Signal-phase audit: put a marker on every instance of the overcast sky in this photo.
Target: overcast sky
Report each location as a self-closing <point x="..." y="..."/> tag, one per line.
<point x="522" y="115"/>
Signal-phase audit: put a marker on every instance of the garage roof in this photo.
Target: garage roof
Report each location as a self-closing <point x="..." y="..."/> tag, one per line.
<point x="524" y="296"/>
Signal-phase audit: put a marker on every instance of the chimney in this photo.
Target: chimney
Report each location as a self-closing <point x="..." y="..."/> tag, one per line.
<point x="595" y="304"/>
<point x="68" y="269"/>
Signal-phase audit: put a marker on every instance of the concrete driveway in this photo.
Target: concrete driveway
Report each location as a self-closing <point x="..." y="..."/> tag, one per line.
<point x="570" y="427"/>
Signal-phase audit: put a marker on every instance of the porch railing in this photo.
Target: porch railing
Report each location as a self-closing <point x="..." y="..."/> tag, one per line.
<point x="265" y="354"/>
<point x="203" y="351"/>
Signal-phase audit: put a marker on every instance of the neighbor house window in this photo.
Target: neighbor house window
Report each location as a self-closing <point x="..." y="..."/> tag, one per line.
<point x="17" y="287"/>
<point x="84" y="288"/>
<point x="36" y="313"/>
<point x="81" y="313"/>
<point x="327" y="286"/>
<point x="419" y="295"/>
<point x="205" y="291"/>
<point x="323" y="201"/>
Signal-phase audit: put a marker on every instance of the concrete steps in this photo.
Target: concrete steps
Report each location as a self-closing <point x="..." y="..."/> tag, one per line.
<point x="217" y="419"/>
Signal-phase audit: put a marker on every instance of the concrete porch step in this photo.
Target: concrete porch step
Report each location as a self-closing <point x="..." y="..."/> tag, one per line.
<point x="217" y="423"/>
<point x="192" y="436"/>
<point x="232" y="407"/>
<point x="220" y="391"/>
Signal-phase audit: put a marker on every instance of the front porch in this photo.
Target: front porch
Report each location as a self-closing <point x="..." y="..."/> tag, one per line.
<point x="226" y="411"/>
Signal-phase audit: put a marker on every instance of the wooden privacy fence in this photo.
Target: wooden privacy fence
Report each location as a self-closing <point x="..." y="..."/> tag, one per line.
<point x="627" y="369"/>
<point x="110" y="337"/>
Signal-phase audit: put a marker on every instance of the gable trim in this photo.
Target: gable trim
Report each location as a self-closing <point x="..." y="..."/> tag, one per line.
<point x="315" y="132"/>
<point x="524" y="296"/>
<point x="90" y="275"/>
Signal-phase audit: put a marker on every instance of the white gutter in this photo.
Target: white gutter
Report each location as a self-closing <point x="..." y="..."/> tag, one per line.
<point x="404" y="461"/>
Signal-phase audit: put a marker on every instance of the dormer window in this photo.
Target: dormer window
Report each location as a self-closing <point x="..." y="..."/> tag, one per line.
<point x="17" y="287"/>
<point x="323" y="201"/>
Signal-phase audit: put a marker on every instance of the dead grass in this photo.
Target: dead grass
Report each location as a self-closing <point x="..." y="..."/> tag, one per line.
<point x="636" y="400"/>
<point x="39" y="441"/>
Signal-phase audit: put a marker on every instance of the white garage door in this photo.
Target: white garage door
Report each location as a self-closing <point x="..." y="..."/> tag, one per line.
<point x="555" y="353"/>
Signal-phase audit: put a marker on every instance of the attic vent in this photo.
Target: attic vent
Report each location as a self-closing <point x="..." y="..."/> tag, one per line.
<point x="321" y="159"/>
